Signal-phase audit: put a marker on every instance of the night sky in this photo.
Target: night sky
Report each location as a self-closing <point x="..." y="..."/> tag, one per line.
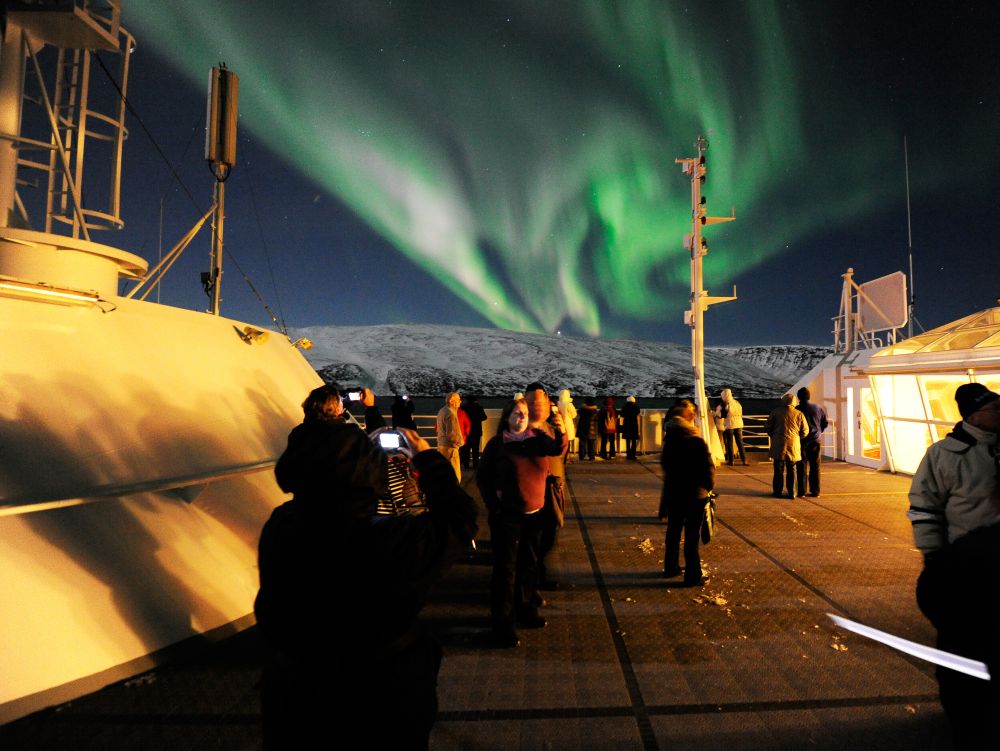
<point x="511" y="164"/>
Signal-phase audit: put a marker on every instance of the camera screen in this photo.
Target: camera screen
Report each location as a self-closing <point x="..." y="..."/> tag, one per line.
<point x="389" y="440"/>
<point x="354" y="396"/>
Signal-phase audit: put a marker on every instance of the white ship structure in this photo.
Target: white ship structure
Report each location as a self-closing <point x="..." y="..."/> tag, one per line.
<point x="890" y="398"/>
<point x="136" y="439"/>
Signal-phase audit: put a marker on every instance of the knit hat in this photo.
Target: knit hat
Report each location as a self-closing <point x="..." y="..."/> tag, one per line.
<point x="972" y="397"/>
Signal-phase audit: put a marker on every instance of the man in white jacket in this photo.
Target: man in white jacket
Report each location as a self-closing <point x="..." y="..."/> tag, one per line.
<point x="730" y="413"/>
<point x="568" y="412"/>
<point x="955" y="511"/>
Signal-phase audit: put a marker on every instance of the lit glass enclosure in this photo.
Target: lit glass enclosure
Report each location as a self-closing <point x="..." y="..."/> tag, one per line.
<point x="915" y="380"/>
<point x="917" y="409"/>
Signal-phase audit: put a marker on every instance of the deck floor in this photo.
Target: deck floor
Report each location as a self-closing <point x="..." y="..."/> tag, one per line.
<point x="627" y="661"/>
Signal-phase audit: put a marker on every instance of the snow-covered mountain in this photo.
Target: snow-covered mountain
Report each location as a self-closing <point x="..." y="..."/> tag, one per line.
<point x="786" y="362"/>
<point x="432" y="360"/>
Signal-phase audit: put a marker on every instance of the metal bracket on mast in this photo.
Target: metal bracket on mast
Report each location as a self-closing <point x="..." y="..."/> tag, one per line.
<point x="707" y="301"/>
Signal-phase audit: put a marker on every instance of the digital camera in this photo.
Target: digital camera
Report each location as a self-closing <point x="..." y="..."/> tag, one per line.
<point x="403" y="496"/>
<point x="390" y="439"/>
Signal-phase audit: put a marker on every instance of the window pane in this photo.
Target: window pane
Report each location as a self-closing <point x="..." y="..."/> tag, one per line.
<point x="960" y="340"/>
<point x="871" y="434"/>
<point x="898" y="396"/>
<point x="909" y="441"/>
<point x="989" y="318"/>
<point x="940" y="390"/>
<point x="989" y="380"/>
<point x="909" y="345"/>
<point x="993" y="341"/>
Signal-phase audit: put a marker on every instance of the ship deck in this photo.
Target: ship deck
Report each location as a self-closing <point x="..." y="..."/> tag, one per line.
<point x="628" y="661"/>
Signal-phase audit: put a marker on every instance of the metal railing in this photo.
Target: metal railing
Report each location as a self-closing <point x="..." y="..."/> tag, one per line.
<point x="755" y="438"/>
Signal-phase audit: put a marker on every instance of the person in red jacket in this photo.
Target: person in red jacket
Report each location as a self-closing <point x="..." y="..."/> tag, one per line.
<point x="607" y="425"/>
<point x="511" y="478"/>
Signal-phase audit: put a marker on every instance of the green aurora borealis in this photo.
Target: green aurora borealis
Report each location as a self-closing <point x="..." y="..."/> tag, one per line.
<point x="523" y="152"/>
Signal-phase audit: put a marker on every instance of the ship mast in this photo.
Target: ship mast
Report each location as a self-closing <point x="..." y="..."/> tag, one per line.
<point x="694" y="317"/>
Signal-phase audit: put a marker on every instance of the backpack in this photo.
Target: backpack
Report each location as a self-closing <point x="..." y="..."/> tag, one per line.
<point x="610" y="422"/>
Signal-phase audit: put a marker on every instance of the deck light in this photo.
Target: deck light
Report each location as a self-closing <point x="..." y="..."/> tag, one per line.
<point x="46" y="293"/>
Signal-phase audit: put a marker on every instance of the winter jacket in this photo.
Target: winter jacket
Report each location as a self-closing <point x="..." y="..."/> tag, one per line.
<point x="956" y="488"/>
<point x="568" y="413"/>
<point x="607" y="421"/>
<point x="373" y="419"/>
<point x="730" y="411"/>
<point x="586" y="424"/>
<point x="402" y="413"/>
<point x="787" y="427"/>
<point x="316" y="552"/>
<point x="630" y="420"/>
<point x="688" y="469"/>
<point x="449" y="433"/>
<point x="333" y="457"/>
<point x="815" y="418"/>
<point x="464" y="424"/>
<point x="512" y="473"/>
<point x="477" y="416"/>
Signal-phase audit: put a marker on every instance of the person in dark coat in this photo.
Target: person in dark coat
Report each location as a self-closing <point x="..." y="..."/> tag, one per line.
<point x="688" y="477"/>
<point x="959" y="593"/>
<point x="469" y="453"/>
<point x="512" y="479"/>
<point x="373" y="418"/>
<point x="341" y="588"/>
<point x="807" y="470"/>
<point x="586" y="429"/>
<point x="607" y="426"/>
<point x="402" y="412"/>
<point x="630" y="427"/>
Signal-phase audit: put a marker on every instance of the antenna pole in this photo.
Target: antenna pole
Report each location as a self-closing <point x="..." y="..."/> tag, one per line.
<point x="218" y="220"/>
<point x="909" y="241"/>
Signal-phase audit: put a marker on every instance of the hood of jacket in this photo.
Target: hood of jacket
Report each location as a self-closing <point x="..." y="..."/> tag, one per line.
<point x="964" y="436"/>
<point x="679" y="427"/>
<point x="333" y="462"/>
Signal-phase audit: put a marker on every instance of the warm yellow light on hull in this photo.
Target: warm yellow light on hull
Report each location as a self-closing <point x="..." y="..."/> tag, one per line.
<point x="46" y="293"/>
